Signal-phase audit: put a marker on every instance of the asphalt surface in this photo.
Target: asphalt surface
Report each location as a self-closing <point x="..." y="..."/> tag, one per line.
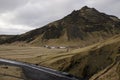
<point x="34" y="72"/>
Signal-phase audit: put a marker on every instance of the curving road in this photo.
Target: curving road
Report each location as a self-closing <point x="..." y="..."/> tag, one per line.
<point x="34" y="72"/>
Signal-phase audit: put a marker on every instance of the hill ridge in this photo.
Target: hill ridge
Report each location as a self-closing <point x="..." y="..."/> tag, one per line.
<point x="82" y="27"/>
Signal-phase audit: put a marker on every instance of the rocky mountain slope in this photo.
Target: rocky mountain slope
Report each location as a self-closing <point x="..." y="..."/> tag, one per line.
<point x="80" y="28"/>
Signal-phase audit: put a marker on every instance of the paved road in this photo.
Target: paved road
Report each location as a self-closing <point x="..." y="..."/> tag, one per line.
<point x="34" y="72"/>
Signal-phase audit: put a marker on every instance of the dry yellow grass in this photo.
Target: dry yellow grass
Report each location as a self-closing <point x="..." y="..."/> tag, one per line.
<point x="97" y="57"/>
<point x="10" y="73"/>
<point x="112" y="74"/>
<point x="26" y="54"/>
<point x="16" y="52"/>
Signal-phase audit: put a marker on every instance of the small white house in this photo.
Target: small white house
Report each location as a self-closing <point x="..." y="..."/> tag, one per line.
<point x="61" y="47"/>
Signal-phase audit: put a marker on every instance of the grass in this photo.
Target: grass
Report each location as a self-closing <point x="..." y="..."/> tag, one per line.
<point x="112" y="74"/>
<point x="10" y="73"/>
<point x="82" y="62"/>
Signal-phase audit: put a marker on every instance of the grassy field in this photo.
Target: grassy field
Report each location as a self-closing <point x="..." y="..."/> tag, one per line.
<point x="82" y="62"/>
<point x="26" y="54"/>
<point x="22" y="53"/>
<point x="11" y="73"/>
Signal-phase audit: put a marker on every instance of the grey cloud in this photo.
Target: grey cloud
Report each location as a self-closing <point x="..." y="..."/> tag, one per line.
<point x="8" y="5"/>
<point x="36" y="13"/>
<point x="12" y="31"/>
<point x="110" y="7"/>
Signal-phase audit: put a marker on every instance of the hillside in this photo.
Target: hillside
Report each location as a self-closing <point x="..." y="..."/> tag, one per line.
<point x="110" y="73"/>
<point x="98" y="61"/>
<point x="80" y="28"/>
<point x="4" y="37"/>
<point x="88" y="61"/>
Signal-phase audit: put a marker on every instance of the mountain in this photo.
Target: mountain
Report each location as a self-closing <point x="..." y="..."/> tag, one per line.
<point x="96" y="33"/>
<point x="80" y="28"/>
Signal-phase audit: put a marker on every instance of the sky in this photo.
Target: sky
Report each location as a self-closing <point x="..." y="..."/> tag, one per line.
<point x="20" y="16"/>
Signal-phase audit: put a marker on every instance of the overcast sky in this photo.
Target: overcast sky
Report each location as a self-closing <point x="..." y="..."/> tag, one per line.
<point x="19" y="16"/>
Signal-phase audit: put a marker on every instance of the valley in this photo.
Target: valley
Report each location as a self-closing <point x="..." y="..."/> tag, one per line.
<point x="93" y="58"/>
<point x="89" y="41"/>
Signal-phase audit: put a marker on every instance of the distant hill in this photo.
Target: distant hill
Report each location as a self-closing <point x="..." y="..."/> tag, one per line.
<point x="80" y="28"/>
<point x="5" y="37"/>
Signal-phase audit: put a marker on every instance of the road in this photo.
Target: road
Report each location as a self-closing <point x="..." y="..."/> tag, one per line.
<point x="34" y="72"/>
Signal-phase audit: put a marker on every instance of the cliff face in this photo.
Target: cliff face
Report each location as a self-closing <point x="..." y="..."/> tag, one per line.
<point x="82" y="27"/>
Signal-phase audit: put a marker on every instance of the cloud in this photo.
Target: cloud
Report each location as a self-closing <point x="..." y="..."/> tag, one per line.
<point x="107" y="6"/>
<point x="39" y="13"/>
<point x="13" y="29"/>
<point x="18" y="16"/>
<point x="9" y="5"/>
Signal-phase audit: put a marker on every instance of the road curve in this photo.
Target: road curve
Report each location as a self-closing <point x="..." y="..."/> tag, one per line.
<point x="34" y="72"/>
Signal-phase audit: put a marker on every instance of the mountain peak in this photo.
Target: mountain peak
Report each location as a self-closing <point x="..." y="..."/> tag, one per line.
<point x="82" y="9"/>
<point x="85" y="15"/>
<point x="85" y="10"/>
<point x="85" y="7"/>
